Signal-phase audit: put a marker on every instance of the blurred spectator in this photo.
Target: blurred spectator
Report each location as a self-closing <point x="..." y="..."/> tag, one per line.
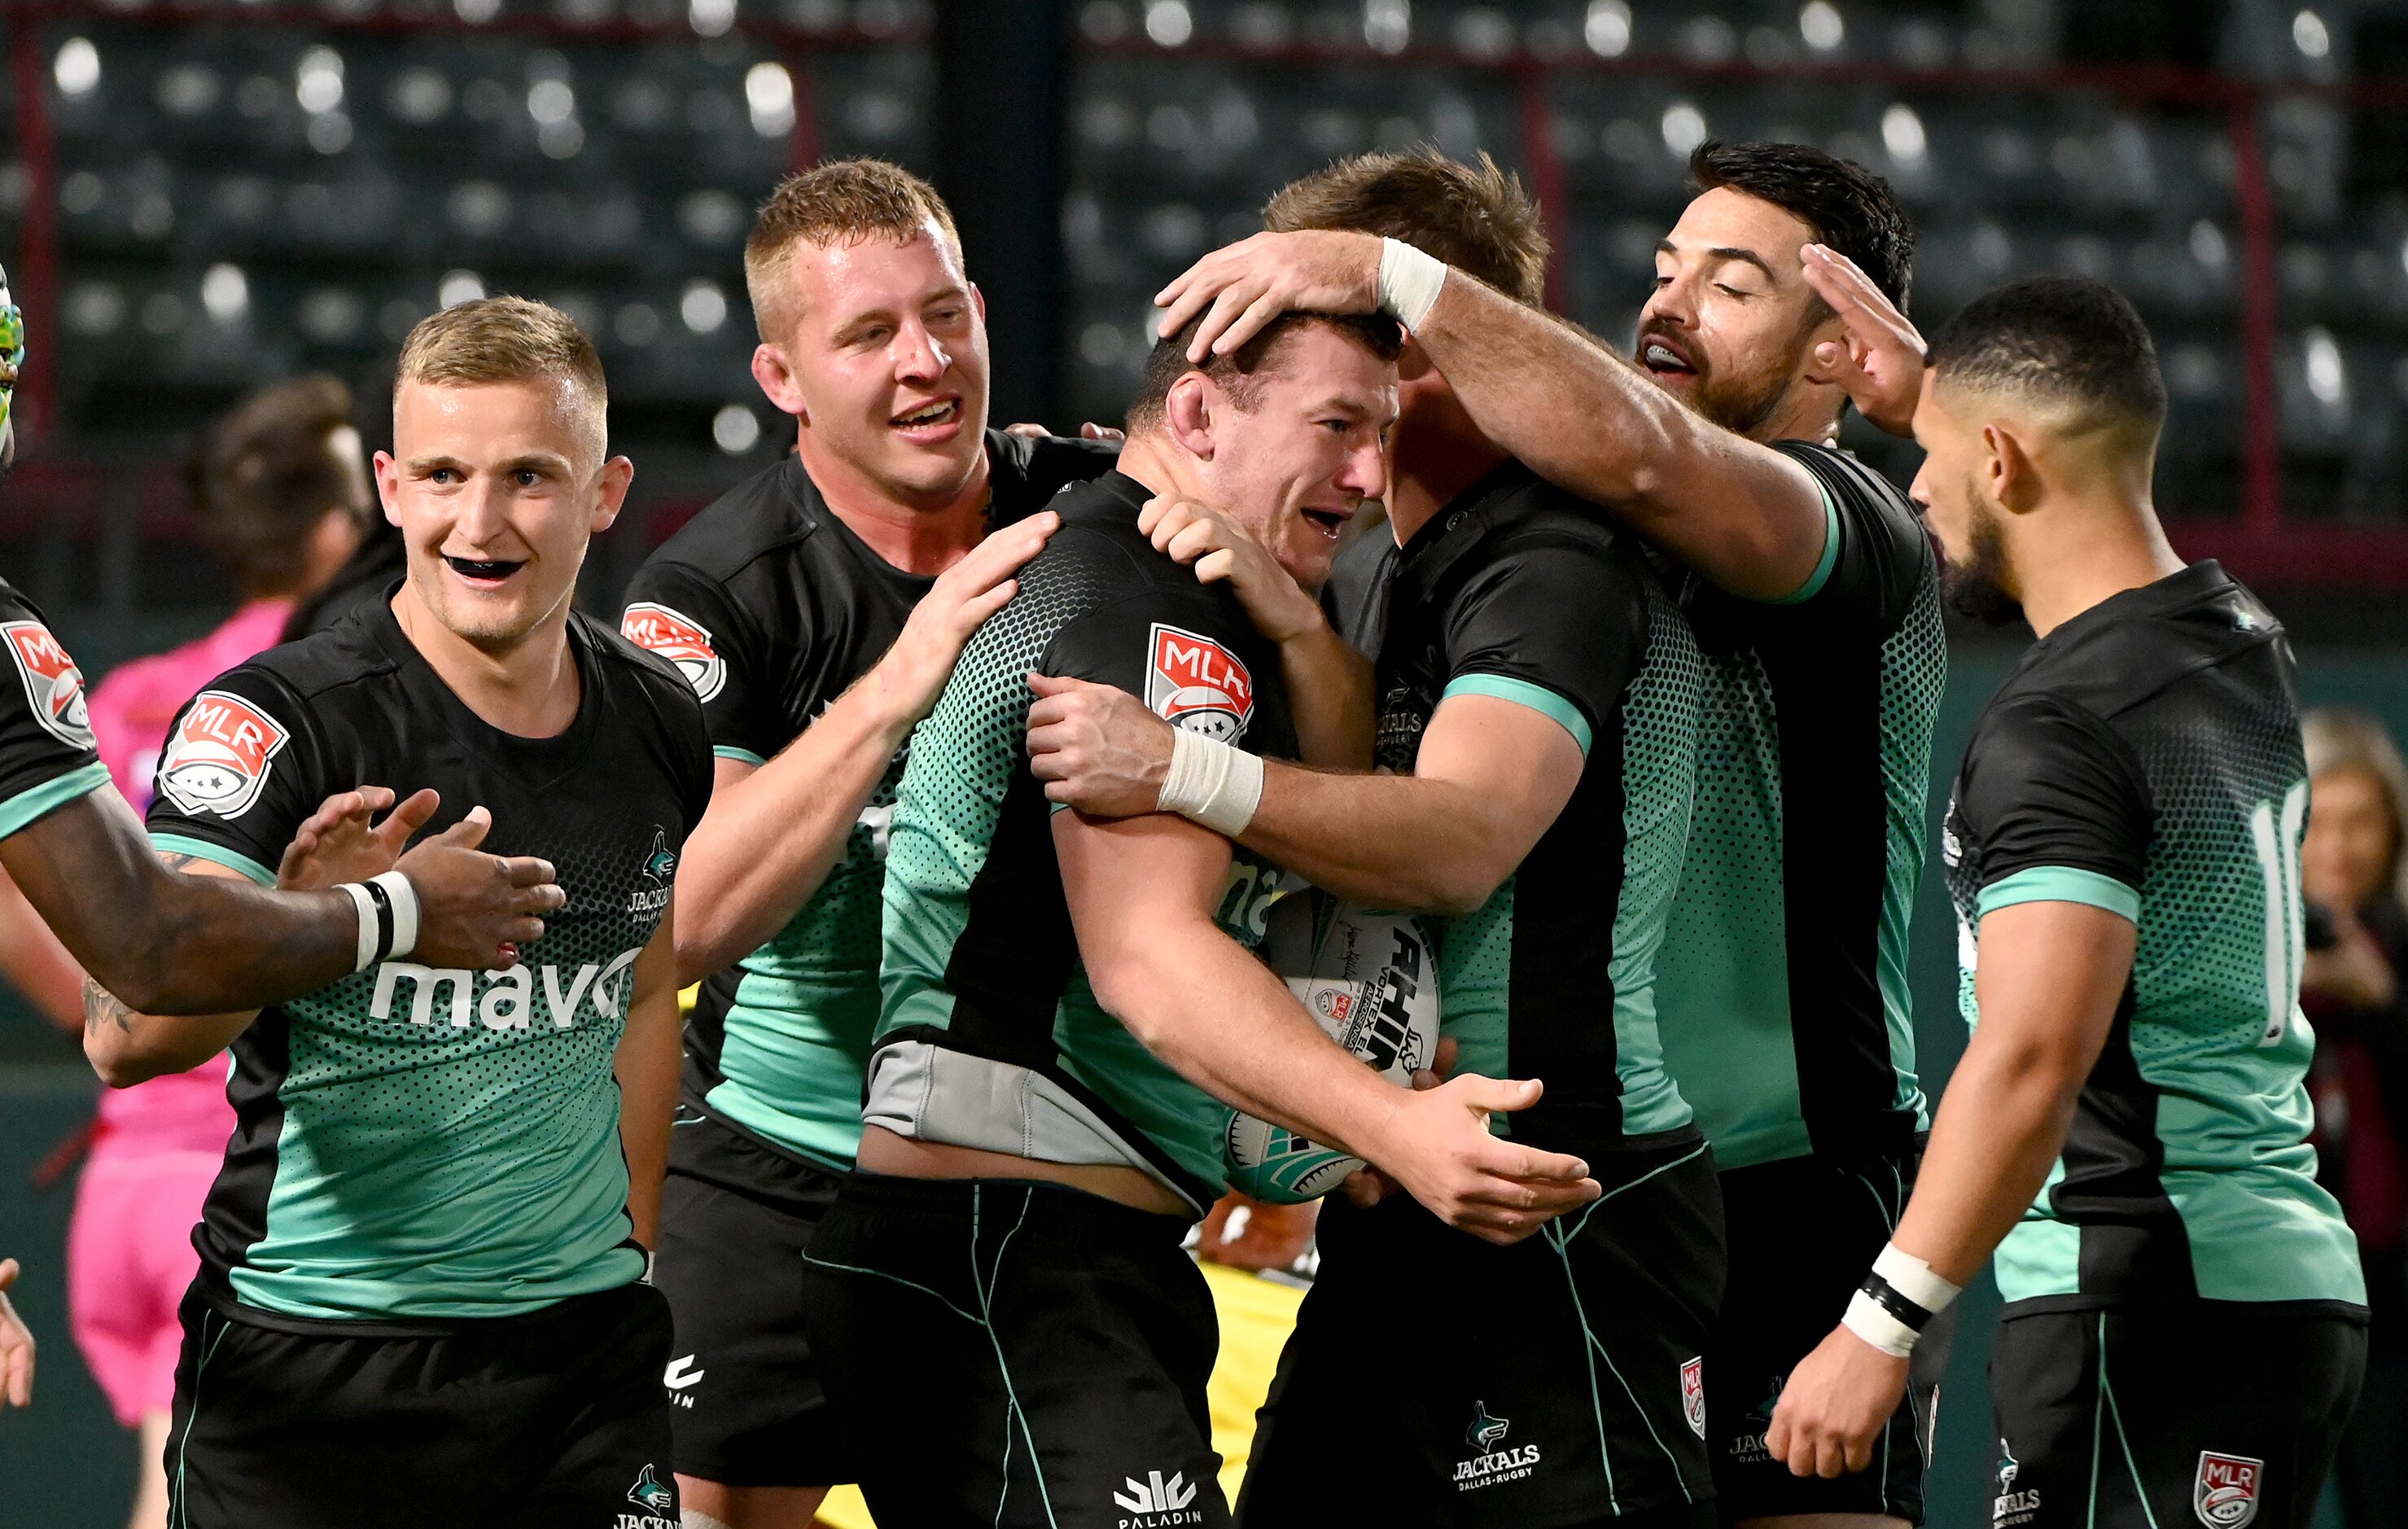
<point x="2355" y="876"/>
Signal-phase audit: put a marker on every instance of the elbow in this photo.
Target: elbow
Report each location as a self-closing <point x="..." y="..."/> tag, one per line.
<point x="1462" y="887"/>
<point x="114" y="1068"/>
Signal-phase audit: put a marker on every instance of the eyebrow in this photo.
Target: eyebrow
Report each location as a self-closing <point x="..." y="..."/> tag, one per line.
<point x="535" y="461"/>
<point x="1725" y="252"/>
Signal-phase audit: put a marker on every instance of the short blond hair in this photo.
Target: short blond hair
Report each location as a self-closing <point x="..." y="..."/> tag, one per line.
<point x="844" y="201"/>
<point x="506" y="339"/>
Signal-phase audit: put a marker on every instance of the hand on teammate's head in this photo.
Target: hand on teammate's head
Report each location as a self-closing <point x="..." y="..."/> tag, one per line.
<point x="1234" y="292"/>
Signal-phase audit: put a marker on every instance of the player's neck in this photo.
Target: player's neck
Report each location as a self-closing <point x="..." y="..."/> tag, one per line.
<point x="529" y="689"/>
<point x="2092" y="552"/>
<point x="1809" y="413"/>
<point x="1161" y="466"/>
<point x="924" y="536"/>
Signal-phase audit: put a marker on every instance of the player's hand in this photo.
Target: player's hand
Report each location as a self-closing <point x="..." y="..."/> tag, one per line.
<point x="1367" y="1186"/>
<point x="1222" y="551"/>
<point x="16" y="1346"/>
<point x="1242" y="1233"/>
<point x="1834" y="1406"/>
<point x="475" y="910"/>
<point x="1242" y="287"/>
<point x="1880" y="363"/>
<point x="1096" y="747"/>
<point x="907" y="681"/>
<point x="1436" y="1145"/>
<point x="1089" y="431"/>
<point x="337" y="843"/>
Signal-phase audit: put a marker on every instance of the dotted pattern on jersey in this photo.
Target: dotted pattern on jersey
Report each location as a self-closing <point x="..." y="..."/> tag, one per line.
<point x="1913" y="674"/>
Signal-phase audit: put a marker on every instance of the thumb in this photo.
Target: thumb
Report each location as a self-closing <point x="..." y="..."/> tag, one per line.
<point x="1061" y="685"/>
<point x="1500" y="1095"/>
<point x="469" y="832"/>
<point x="7" y="1272"/>
<point x="412" y="814"/>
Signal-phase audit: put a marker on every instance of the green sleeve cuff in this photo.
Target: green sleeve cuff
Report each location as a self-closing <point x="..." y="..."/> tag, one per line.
<point x="54" y="793"/>
<point x="1522" y="693"/>
<point x="742" y="756"/>
<point x="201" y="849"/>
<point x="1822" y="574"/>
<point x="2060" y="884"/>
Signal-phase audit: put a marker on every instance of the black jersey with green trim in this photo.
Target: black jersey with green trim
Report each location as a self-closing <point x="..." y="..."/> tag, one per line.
<point x="1518" y="590"/>
<point x="1785" y="1009"/>
<point x="416" y="1143"/>
<point x="772" y="607"/>
<point x="991" y="1036"/>
<point x="46" y="755"/>
<point x="2145" y="757"/>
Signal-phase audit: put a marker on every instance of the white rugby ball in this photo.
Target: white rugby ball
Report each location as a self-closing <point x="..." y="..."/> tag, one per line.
<point x="1370" y="980"/>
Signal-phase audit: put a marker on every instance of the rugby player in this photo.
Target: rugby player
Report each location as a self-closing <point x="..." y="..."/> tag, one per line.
<point x="2185" y="1324"/>
<point x="1782" y="1000"/>
<point x="817" y="609"/>
<point x="1538" y="704"/>
<point x="1065" y="997"/>
<point x="421" y="1263"/>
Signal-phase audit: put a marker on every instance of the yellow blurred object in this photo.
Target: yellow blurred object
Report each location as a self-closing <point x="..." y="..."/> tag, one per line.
<point x="1257" y="1316"/>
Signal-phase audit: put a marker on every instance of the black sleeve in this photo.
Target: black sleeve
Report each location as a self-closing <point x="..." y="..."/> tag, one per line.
<point x="689" y="619"/>
<point x="1183" y="657"/>
<point x="1556" y="622"/>
<point x="240" y="769"/>
<point x="47" y="757"/>
<point x="2049" y="788"/>
<point x="1879" y="556"/>
<point x="1029" y="472"/>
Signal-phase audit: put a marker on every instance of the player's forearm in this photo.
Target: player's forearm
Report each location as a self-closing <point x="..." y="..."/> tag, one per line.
<point x="2001" y="1127"/>
<point x="37" y="964"/>
<point x="1329" y="698"/>
<point x="647" y="1069"/>
<point x="126" y="1046"/>
<point x="769" y="841"/>
<point x="1398" y="841"/>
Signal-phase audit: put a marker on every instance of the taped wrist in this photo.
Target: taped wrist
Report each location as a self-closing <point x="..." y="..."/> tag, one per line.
<point x="387" y="906"/>
<point x="1898" y="1300"/>
<point x="1212" y="783"/>
<point x="1410" y="281"/>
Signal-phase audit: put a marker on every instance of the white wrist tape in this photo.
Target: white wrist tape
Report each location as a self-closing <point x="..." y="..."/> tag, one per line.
<point x="1911" y="1277"/>
<point x="405" y="911"/>
<point x="1868" y="1320"/>
<point x="371" y="929"/>
<point x="1208" y="782"/>
<point x="1410" y="281"/>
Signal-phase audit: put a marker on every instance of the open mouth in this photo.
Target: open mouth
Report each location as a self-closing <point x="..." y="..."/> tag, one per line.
<point x="1331" y="524"/>
<point x="478" y="571"/>
<point x="934" y="414"/>
<point x="1663" y="360"/>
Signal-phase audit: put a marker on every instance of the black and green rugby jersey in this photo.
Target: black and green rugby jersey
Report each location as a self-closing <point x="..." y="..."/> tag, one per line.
<point x="1784" y="1008"/>
<point x="2145" y="757"/>
<point x="772" y="607"/>
<point x="416" y="1143"/>
<point x="991" y="1036"/>
<point x="1516" y="590"/>
<point x="47" y="757"/>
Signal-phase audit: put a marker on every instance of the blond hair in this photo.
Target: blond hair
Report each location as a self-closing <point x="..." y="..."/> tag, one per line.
<point x="2347" y="738"/>
<point x="1475" y="217"/>
<point x="506" y="339"/>
<point x="844" y="201"/>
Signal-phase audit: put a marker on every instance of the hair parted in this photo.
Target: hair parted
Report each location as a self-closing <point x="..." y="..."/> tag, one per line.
<point x="1242" y="372"/>
<point x="1475" y="217"/>
<point x="843" y="201"/>
<point x="1848" y="206"/>
<point x="267" y="474"/>
<point x="2058" y="339"/>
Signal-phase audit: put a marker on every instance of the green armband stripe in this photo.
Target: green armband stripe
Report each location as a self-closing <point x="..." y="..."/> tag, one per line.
<point x="28" y="805"/>
<point x="201" y="849"/>
<point x="742" y="756"/>
<point x="1522" y="693"/>
<point x="2060" y="884"/>
<point x="1822" y="574"/>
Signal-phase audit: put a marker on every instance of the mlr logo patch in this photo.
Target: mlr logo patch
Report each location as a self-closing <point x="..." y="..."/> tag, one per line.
<point x="682" y="640"/>
<point x="1693" y="1394"/>
<point x="1195" y="682"/>
<point x="2225" y="1493"/>
<point x="53" y="684"/>
<point x="218" y="759"/>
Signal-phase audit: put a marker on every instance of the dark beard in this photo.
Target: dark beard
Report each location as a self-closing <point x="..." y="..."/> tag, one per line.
<point x="1977" y="588"/>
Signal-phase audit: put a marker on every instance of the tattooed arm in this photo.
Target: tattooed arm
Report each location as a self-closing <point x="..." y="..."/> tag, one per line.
<point x="126" y="1047"/>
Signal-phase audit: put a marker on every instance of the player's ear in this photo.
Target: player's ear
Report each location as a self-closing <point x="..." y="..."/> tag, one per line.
<point x="617" y="474"/>
<point x="388" y="484"/>
<point x="776" y="375"/>
<point x="2015" y="478"/>
<point x="1187" y="413"/>
<point x="978" y="301"/>
<point x="1412" y="362"/>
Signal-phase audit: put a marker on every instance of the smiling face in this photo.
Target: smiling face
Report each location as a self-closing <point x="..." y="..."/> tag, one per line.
<point x="882" y="360"/>
<point x="497" y="489"/>
<point x="1296" y="459"/>
<point x="1732" y="323"/>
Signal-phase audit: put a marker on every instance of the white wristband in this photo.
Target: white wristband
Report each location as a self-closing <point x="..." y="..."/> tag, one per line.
<point x="1868" y="1320"/>
<point x="1911" y="1277"/>
<point x="405" y="912"/>
<point x="1208" y="782"/>
<point x="365" y="907"/>
<point x="1410" y="281"/>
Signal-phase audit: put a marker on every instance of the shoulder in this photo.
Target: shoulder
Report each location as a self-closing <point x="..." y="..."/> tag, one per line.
<point x="1027" y="472"/>
<point x="319" y="666"/>
<point x="651" y="674"/>
<point x="763" y="512"/>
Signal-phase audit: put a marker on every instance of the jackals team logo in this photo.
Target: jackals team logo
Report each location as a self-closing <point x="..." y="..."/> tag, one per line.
<point x="2010" y="1507"/>
<point x="655" y="1500"/>
<point x="1693" y="1394"/>
<point x="52" y="682"/>
<point x="652" y="882"/>
<point x="218" y="758"/>
<point x="1195" y="682"/>
<point x="682" y="640"/>
<point x="1492" y="1463"/>
<point x="2225" y="1493"/>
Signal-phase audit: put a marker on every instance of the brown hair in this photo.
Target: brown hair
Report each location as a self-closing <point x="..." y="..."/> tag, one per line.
<point x="505" y="340"/>
<point x="1242" y="372"/>
<point x="2347" y="738"/>
<point x="1476" y="218"/>
<point x="843" y="201"/>
<point x="264" y="477"/>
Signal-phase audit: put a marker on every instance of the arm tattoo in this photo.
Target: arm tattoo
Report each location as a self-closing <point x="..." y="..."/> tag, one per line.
<point x="99" y="1003"/>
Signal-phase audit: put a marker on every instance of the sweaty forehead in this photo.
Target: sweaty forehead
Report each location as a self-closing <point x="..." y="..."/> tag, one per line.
<point x="479" y="421"/>
<point x="1727" y="219"/>
<point x="845" y="275"/>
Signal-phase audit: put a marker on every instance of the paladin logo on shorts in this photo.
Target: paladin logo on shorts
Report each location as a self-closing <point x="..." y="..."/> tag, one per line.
<point x="2225" y="1493"/>
<point x="2012" y="1507"/>
<point x="1491" y="1466"/>
<point x="682" y="640"/>
<point x="218" y="759"/>
<point x="52" y="682"/>
<point x="681" y="1378"/>
<point x="1155" y="1504"/>
<point x="1195" y="682"/>
<point x="1693" y="1394"/>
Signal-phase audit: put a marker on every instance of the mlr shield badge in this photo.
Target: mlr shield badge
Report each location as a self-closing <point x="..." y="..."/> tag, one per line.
<point x="1693" y="1394"/>
<point x="2225" y="1494"/>
<point x="53" y="684"/>
<point x="1194" y="683"/>
<point x="682" y="640"/>
<point x="218" y="758"/>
